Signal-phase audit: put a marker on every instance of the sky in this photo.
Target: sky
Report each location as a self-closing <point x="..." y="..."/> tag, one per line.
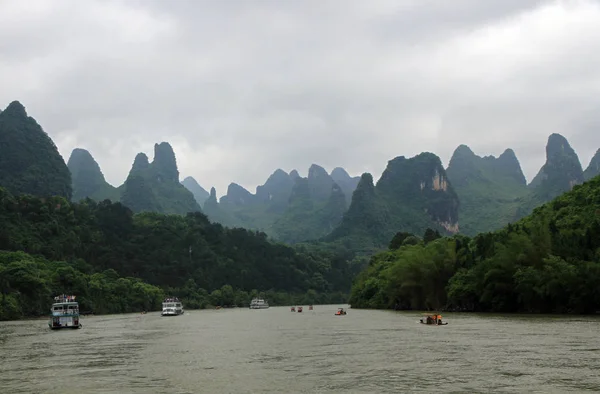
<point x="240" y="88"/>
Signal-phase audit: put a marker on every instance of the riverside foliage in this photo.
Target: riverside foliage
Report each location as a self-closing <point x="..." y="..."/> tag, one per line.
<point x="117" y="261"/>
<point x="548" y="262"/>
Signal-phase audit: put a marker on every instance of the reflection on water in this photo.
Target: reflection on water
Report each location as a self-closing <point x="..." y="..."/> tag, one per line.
<point x="276" y="351"/>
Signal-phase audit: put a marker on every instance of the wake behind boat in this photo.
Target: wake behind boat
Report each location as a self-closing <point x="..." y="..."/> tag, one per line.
<point x="65" y="313"/>
<point x="171" y="306"/>
<point x="259" y="303"/>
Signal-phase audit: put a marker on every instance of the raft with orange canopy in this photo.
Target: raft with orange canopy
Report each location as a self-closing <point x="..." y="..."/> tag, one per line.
<point x="340" y="312"/>
<point x="434" y="319"/>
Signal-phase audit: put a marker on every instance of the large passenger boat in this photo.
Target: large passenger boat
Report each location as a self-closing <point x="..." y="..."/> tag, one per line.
<point x="171" y="306"/>
<point x="64" y="313"/>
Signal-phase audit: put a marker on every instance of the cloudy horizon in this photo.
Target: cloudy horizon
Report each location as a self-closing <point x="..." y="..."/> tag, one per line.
<point x="241" y="88"/>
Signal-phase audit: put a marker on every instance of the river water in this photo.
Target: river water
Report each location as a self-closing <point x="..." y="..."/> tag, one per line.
<point x="277" y="351"/>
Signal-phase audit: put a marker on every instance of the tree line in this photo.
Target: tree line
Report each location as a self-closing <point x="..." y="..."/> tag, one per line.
<point x="118" y="261"/>
<point x="548" y="262"/>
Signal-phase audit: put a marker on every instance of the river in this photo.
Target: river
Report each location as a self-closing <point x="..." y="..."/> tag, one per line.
<point x="277" y="351"/>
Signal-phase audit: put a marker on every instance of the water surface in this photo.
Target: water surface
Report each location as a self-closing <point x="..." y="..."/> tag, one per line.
<point x="277" y="351"/>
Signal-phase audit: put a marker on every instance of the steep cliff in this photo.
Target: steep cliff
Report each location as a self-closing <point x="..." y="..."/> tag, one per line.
<point x="488" y="189"/>
<point x="558" y="175"/>
<point x="411" y="195"/>
<point x="88" y="180"/>
<point x="155" y="186"/>
<point x="29" y="160"/>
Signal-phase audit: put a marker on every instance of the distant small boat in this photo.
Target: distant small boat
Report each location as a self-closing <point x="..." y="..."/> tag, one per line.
<point x="299" y="309"/>
<point x="433" y="320"/>
<point x="259" y="303"/>
<point x="310" y="307"/>
<point x="340" y="312"/>
<point x="293" y="309"/>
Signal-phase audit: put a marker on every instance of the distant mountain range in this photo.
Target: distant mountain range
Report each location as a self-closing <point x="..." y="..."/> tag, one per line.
<point x="473" y="194"/>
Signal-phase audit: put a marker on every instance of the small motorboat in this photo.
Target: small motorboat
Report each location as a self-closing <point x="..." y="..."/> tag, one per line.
<point x="299" y="309"/>
<point x="293" y="309"/>
<point x="433" y="320"/>
<point x="340" y="312"/>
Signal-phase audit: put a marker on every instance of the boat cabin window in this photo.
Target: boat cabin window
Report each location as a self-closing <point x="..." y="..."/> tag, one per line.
<point x="58" y="308"/>
<point x="178" y="305"/>
<point x="171" y="305"/>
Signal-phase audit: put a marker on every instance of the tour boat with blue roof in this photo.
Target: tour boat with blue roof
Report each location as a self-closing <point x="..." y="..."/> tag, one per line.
<point x="64" y="313"/>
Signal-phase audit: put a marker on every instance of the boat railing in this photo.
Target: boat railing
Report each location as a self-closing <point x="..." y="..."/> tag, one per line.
<point x="65" y="312"/>
<point x="65" y="298"/>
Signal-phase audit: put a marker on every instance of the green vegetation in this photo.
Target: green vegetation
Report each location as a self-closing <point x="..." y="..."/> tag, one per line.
<point x="547" y="262"/>
<point x="28" y="284"/>
<point x="186" y="256"/>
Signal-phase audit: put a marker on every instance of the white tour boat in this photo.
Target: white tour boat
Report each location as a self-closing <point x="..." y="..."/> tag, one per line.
<point x="171" y="306"/>
<point x="259" y="303"/>
<point x="64" y="313"/>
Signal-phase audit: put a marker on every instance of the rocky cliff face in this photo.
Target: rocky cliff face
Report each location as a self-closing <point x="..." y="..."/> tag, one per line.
<point x="164" y="163"/>
<point x="561" y="171"/>
<point x="411" y="195"/>
<point x="420" y="184"/>
<point x="487" y="188"/>
<point x="559" y="174"/>
<point x="155" y="186"/>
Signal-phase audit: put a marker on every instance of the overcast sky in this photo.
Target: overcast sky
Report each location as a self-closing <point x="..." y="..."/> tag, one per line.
<point x="240" y="88"/>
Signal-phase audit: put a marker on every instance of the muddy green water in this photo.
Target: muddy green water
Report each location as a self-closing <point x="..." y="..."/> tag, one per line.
<point x="276" y="351"/>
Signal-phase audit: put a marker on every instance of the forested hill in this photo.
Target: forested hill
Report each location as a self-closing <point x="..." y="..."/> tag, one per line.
<point x="547" y="262"/>
<point x="29" y="160"/>
<point x="185" y="255"/>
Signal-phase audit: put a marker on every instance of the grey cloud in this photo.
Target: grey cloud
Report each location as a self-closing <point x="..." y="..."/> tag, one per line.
<point x="241" y="88"/>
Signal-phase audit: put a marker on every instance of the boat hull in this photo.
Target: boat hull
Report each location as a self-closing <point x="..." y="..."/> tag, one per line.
<point x="433" y="324"/>
<point x="59" y="322"/>
<point x="170" y="314"/>
<point x="61" y="327"/>
<point x="259" y="307"/>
